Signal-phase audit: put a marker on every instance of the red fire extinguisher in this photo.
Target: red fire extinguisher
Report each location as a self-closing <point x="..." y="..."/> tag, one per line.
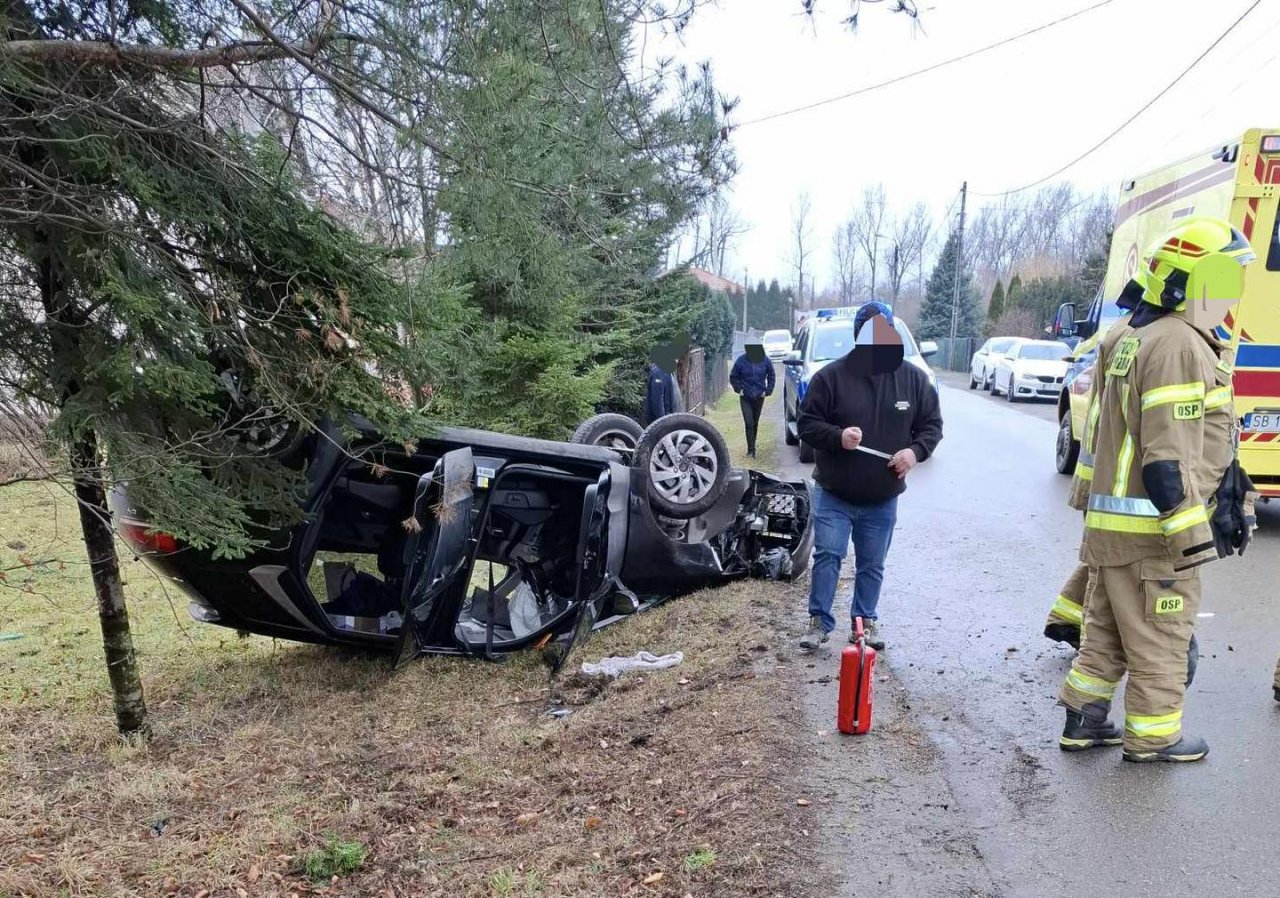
<point x="857" y="662"/>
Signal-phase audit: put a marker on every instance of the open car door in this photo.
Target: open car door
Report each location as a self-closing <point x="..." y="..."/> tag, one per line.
<point x="595" y="581"/>
<point x="438" y="555"/>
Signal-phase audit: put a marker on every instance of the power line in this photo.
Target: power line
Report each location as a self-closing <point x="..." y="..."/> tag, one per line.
<point x="932" y="68"/>
<point x="1130" y="120"/>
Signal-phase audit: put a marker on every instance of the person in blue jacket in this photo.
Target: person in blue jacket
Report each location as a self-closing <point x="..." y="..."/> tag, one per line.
<point x="752" y="378"/>
<point x="661" y="396"/>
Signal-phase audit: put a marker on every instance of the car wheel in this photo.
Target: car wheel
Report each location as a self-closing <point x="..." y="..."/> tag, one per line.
<point x="617" y="432"/>
<point x="806" y="453"/>
<point x="989" y="382"/>
<point x="973" y="381"/>
<point x="792" y="438"/>
<point x="1009" y="393"/>
<point x="1067" y="450"/>
<point x="255" y="428"/>
<point x="687" y="463"/>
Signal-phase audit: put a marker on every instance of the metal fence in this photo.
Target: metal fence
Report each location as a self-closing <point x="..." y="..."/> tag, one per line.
<point x="954" y="355"/>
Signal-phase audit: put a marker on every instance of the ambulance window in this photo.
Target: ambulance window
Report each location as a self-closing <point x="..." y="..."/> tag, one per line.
<point x="1273" y="252"/>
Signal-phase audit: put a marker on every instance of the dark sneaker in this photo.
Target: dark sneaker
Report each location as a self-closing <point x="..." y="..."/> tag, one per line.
<point x="870" y="633"/>
<point x="1088" y="729"/>
<point x="815" y="635"/>
<point x="1068" y="633"/>
<point x="1185" y="750"/>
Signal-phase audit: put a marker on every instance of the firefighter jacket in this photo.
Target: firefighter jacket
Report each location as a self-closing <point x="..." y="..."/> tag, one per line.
<point x="1165" y="436"/>
<point x="1082" y="479"/>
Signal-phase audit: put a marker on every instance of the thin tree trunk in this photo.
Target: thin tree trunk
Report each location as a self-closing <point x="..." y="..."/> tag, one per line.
<point x="95" y="518"/>
<point x="104" y="566"/>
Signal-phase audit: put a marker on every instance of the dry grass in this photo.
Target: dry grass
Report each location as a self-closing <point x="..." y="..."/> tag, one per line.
<point x="726" y="415"/>
<point x="447" y="778"/>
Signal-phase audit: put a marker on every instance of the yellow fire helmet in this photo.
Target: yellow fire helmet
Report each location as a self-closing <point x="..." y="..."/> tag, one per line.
<point x="1183" y="248"/>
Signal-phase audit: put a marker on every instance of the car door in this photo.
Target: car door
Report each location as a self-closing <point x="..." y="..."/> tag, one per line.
<point x="791" y="387"/>
<point x="438" y="555"/>
<point x="596" y="559"/>
<point x="977" y="368"/>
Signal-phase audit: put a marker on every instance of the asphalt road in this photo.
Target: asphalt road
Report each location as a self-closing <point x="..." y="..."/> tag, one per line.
<point x="984" y="540"/>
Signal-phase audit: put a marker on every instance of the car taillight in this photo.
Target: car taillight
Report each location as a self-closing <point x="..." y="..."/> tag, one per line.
<point x="145" y="539"/>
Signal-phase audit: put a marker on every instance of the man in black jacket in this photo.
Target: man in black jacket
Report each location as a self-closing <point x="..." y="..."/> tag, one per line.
<point x="868" y="399"/>
<point x="752" y="378"/>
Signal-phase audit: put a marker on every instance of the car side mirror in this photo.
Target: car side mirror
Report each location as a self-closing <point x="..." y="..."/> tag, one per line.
<point x="928" y="348"/>
<point x="1069" y="359"/>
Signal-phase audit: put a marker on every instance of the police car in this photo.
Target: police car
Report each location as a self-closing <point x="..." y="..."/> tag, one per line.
<point x="826" y="336"/>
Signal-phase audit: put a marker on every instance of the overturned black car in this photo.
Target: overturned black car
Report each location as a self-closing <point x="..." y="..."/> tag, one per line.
<point x="482" y="543"/>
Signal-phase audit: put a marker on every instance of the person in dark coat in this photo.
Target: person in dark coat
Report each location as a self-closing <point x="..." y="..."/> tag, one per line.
<point x="752" y="378"/>
<point x="869" y="399"/>
<point x="662" y="396"/>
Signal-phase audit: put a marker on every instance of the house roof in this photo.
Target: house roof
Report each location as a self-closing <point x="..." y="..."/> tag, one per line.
<point x="713" y="281"/>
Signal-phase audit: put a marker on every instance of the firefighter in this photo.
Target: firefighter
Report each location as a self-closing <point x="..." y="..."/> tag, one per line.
<point x="1066" y="615"/>
<point x="1165" y="440"/>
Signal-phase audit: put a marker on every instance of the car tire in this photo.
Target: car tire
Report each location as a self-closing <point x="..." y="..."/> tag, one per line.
<point x="973" y="381"/>
<point x="989" y="382"/>
<point x="1009" y="392"/>
<point x="806" y="453"/>
<point x="617" y="432"/>
<point x="1067" y="448"/>
<point x="686" y="485"/>
<point x="792" y="438"/>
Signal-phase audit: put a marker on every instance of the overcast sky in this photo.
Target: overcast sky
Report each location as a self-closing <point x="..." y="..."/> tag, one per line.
<point x="1000" y="120"/>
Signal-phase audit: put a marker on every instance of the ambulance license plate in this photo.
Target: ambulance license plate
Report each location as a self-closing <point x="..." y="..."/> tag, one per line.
<point x="1262" y="422"/>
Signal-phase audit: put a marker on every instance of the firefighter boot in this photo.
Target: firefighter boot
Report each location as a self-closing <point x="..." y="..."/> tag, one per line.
<point x="1089" y="728"/>
<point x="1187" y="748"/>
<point x="1061" y="632"/>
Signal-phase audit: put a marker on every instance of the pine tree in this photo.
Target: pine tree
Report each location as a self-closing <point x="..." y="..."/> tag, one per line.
<point x="1013" y="296"/>
<point x="941" y="294"/>
<point x="1093" y="270"/>
<point x="995" y="308"/>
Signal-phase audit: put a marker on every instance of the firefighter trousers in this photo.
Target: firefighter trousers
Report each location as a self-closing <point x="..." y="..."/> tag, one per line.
<point x="1068" y="607"/>
<point x="1139" y="619"/>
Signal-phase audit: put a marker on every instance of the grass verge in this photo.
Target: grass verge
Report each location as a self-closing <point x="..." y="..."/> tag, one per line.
<point x="282" y="770"/>
<point x="726" y="415"/>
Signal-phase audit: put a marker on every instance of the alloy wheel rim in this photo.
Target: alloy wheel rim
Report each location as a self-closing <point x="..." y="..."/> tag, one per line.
<point x="683" y="467"/>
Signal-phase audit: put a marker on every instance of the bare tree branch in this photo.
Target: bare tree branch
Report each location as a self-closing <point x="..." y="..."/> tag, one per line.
<point x="175" y="58"/>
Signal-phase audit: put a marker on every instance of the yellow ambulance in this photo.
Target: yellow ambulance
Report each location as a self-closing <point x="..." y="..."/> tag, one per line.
<point x="1237" y="181"/>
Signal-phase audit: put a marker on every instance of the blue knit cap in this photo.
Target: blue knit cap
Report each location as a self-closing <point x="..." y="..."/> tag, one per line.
<point x="867" y="310"/>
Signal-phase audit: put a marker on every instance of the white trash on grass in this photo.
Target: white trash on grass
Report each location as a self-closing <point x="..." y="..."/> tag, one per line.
<point x="613" y="666"/>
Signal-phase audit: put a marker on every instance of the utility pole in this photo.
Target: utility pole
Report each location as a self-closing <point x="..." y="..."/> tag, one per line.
<point x="897" y="275"/>
<point x="955" y="277"/>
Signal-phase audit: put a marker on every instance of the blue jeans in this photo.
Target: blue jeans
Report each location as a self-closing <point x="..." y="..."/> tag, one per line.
<point x="871" y="527"/>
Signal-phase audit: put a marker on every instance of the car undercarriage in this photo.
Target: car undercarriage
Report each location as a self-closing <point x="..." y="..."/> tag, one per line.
<point x="478" y="543"/>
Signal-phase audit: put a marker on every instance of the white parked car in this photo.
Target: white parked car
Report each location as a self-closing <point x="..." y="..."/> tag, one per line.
<point x="776" y="344"/>
<point x="983" y="364"/>
<point x="1032" y="369"/>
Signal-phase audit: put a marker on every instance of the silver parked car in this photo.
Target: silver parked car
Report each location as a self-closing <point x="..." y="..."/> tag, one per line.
<point x="982" y="367"/>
